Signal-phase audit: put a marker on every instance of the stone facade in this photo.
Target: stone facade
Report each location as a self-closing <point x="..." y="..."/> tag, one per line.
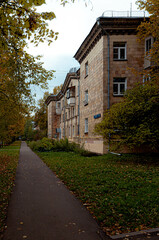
<point x="106" y="57"/>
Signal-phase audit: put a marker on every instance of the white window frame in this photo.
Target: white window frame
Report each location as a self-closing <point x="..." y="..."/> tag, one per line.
<point x="119" y="51"/>
<point x="86" y="125"/>
<point x="119" y="83"/>
<point x="86" y="69"/>
<point x="86" y="98"/>
<point x="146" y="78"/>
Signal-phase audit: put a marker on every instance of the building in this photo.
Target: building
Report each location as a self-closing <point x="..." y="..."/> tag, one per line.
<point x="106" y="57"/>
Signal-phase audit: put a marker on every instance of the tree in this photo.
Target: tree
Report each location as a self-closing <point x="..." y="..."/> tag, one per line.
<point x="19" y="23"/>
<point x="151" y="28"/>
<point x="134" y="121"/>
<point x="57" y="89"/>
<point x="40" y="118"/>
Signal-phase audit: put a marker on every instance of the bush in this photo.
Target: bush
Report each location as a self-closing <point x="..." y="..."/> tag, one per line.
<point x="62" y="145"/>
<point x="43" y="145"/>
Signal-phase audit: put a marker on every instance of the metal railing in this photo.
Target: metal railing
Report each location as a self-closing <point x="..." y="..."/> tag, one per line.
<point x="124" y="14"/>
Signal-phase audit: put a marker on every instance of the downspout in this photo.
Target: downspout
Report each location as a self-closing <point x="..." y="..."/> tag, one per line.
<point x="108" y="60"/>
<point x="79" y="108"/>
<point x="64" y="113"/>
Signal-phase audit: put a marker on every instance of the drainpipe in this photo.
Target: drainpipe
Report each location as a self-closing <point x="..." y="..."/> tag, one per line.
<point x="79" y="108"/>
<point x="64" y="113"/>
<point x="108" y="62"/>
<point x="108" y="59"/>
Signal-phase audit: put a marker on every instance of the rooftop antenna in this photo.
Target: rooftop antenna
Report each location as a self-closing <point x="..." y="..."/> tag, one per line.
<point x="131" y="9"/>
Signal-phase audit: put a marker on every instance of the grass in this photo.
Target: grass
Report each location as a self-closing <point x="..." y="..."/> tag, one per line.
<point x="9" y="156"/>
<point x="122" y="192"/>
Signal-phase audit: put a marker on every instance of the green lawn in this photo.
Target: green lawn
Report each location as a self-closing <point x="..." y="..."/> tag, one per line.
<point x="122" y="192"/>
<point x="9" y="157"/>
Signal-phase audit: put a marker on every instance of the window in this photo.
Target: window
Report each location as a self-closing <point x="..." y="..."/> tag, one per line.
<point x="73" y="130"/>
<point x="58" y="105"/>
<point x="86" y="69"/>
<point x="73" y="112"/>
<point x="63" y="117"/>
<point x="146" y="78"/>
<point x="86" y="98"/>
<point x="69" y="131"/>
<point x="119" y="86"/>
<point x="119" y="51"/>
<point x="86" y="125"/>
<point x="68" y="94"/>
<point x="148" y="45"/>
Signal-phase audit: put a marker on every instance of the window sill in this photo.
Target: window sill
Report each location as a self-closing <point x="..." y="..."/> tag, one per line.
<point x="120" y="60"/>
<point x="85" y="133"/>
<point x="118" y="95"/>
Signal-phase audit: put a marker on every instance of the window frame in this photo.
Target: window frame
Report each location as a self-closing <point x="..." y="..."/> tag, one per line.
<point x="119" y="85"/>
<point x="86" y="125"/>
<point x="86" y="98"/>
<point x="119" y="48"/>
<point x="86" y="69"/>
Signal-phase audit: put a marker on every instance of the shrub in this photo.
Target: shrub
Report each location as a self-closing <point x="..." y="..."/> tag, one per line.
<point x="43" y="145"/>
<point x="62" y="145"/>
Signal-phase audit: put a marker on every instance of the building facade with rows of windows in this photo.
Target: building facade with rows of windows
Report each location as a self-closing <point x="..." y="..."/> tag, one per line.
<point x="106" y="58"/>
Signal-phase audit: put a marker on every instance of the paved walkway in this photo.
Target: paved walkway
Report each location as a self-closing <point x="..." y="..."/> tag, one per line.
<point x="42" y="208"/>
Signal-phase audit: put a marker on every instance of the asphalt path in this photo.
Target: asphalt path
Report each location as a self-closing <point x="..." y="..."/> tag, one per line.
<point x="42" y="208"/>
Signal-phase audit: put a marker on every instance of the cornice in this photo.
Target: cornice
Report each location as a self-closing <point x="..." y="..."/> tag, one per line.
<point x="69" y="77"/>
<point x="107" y="25"/>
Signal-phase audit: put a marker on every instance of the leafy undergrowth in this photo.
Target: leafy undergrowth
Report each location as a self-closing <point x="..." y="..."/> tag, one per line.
<point x="122" y="192"/>
<point x="9" y="157"/>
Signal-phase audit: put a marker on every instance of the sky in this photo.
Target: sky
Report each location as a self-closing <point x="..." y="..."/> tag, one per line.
<point x="73" y="22"/>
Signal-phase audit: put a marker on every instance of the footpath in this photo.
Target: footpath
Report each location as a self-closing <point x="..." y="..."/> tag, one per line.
<point x="42" y="208"/>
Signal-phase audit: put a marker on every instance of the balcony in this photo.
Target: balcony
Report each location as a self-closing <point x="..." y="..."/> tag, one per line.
<point x="58" y="108"/>
<point x="148" y="62"/>
<point x="71" y="101"/>
<point x="58" y="111"/>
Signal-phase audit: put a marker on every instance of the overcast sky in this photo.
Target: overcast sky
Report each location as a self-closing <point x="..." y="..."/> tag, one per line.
<point x="73" y="22"/>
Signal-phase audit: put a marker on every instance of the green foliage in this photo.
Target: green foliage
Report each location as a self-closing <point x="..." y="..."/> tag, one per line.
<point x="134" y="121"/>
<point x="40" y="117"/>
<point x="151" y="28"/>
<point x="42" y="145"/>
<point x="120" y="191"/>
<point x="20" y="22"/>
<point x="62" y="145"/>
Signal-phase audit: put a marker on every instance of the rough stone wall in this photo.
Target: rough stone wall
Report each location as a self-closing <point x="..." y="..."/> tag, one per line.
<point x="97" y="83"/>
<point x="53" y="120"/>
<point x="94" y="84"/>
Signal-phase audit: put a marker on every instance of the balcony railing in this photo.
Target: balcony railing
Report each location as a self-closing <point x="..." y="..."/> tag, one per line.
<point x="71" y="101"/>
<point x="124" y="14"/>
